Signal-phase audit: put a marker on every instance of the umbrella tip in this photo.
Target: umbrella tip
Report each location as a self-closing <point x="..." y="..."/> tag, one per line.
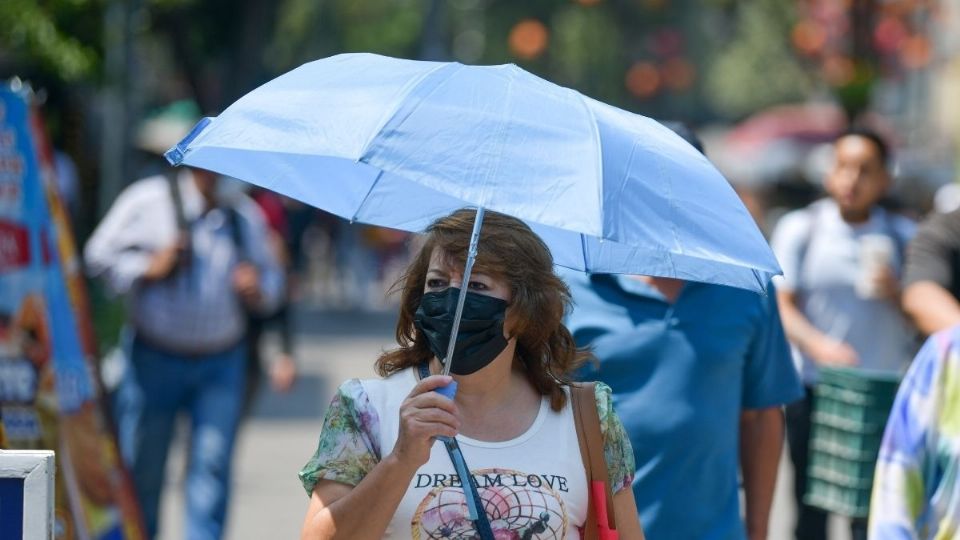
<point x="176" y="154"/>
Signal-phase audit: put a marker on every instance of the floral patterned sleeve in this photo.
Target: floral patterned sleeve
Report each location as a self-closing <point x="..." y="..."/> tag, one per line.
<point x="616" y="443"/>
<point x="349" y="445"/>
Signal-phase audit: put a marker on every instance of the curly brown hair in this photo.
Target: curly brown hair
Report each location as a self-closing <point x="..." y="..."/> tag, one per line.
<point x="509" y="251"/>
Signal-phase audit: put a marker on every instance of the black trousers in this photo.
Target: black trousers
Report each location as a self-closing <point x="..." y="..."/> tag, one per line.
<point x="256" y="326"/>
<point x="811" y="521"/>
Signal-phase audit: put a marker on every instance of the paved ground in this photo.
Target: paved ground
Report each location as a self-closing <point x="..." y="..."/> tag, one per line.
<point x="268" y="501"/>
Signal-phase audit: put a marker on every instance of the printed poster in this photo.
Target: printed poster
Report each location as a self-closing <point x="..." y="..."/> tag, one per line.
<point x="49" y="390"/>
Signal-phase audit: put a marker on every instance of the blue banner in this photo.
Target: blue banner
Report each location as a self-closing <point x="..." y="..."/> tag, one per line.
<point x="49" y="391"/>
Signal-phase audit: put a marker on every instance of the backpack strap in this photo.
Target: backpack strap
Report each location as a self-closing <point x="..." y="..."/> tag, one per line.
<point x="236" y="230"/>
<point x="174" y="184"/>
<point x="183" y="226"/>
<point x="601" y="521"/>
<point x="234" y="220"/>
<point x="899" y="242"/>
<point x="813" y="213"/>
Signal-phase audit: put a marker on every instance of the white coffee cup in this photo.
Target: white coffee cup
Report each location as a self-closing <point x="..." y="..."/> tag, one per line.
<point x="875" y="254"/>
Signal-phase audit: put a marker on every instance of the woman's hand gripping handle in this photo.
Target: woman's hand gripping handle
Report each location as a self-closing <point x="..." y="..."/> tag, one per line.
<point x="426" y="415"/>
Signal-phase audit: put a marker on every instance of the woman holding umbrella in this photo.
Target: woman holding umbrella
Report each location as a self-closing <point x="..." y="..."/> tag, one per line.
<point x="401" y="143"/>
<point x="378" y="472"/>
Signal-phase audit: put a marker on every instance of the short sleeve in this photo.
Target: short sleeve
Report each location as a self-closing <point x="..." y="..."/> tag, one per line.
<point x="348" y="449"/>
<point x="902" y="487"/>
<point x="616" y="444"/>
<point x="929" y="254"/>
<point x="115" y="251"/>
<point x="769" y="376"/>
<point x="789" y="238"/>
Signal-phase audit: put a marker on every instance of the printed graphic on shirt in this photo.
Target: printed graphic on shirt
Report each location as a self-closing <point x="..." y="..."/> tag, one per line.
<point x="519" y="506"/>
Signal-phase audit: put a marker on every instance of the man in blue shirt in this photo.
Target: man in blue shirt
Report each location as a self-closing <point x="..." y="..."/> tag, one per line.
<point x="699" y="376"/>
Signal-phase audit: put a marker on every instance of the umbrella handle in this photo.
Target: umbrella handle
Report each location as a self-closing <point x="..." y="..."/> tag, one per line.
<point x="448" y="391"/>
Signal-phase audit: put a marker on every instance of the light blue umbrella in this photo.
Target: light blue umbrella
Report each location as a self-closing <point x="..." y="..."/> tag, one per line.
<point x="400" y="143"/>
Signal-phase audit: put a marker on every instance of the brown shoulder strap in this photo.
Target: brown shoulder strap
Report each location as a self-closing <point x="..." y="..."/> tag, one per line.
<point x="587" y="420"/>
<point x="577" y="391"/>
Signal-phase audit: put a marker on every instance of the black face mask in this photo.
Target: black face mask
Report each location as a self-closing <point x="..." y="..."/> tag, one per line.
<point x="480" y="338"/>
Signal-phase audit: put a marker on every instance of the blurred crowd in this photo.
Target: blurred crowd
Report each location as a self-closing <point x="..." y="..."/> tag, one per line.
<point x="209" y="267"/>
<point x="835" y="122"/>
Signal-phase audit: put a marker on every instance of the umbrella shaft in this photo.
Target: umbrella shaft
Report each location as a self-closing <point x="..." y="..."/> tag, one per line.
<point x="464" y="285"/>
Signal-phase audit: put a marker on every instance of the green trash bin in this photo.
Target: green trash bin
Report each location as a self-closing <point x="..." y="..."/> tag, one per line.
<point x="850" y="410"/>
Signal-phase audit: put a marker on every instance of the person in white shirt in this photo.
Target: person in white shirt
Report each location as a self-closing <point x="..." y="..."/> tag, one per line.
<point x="839" y="295"/>
<point x="190" y="266"/>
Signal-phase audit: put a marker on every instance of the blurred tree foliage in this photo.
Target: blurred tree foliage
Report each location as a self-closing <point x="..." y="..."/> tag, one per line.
<point x="58" y="36"/>
<point x="218" y="46"/>
<point x="708" y="59"/>
<point x="757" y="68"/>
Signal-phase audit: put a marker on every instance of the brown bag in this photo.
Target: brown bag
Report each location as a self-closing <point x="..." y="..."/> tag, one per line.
<point x="601" y="523"/>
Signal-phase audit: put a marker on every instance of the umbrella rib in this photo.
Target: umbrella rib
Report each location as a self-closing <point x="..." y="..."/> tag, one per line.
<point x="366" y="196"/>
<point x="500" y="138"/>
<point x="583" y="249"/>
<point x="761" y="282"/>
<point x="401" y="104"/>
<point x="598" y="144"/>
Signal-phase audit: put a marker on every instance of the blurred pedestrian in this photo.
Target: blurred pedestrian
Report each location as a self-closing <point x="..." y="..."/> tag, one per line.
<point x="167" y="244"/>
<point x="282" y="369"/>
<point x="699" y="375"/>
<point x="68" y="183"/>
<point x="916" y="489"/>
<point x="839" y="296"/>
<point x="932" y="275"/>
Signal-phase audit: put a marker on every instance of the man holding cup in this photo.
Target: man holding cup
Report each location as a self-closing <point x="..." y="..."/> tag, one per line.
<point x="839" y="296"/>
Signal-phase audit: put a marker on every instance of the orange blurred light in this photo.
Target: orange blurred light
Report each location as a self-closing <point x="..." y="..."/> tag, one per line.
<point x="678" y="74"/>
<point x="839" y="70"/>
<point x="916" y="52"/>
<point x="643" y="80"/>
<point x="808" y="37"/>
<point x="528" y="39"/>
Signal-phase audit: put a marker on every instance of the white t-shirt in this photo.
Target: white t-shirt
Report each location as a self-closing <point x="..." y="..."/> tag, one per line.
<point x="534" y="483"/>
<point x="820" y="256"/>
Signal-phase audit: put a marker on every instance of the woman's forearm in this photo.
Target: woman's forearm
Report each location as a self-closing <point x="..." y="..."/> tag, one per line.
<point x="364" y="511"/>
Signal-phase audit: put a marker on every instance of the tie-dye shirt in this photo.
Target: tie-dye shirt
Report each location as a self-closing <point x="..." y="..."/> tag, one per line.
<point x="916" y="490"/>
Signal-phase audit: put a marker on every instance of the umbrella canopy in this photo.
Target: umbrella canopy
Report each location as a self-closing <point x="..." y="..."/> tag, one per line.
<point x="400" y="143"/>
